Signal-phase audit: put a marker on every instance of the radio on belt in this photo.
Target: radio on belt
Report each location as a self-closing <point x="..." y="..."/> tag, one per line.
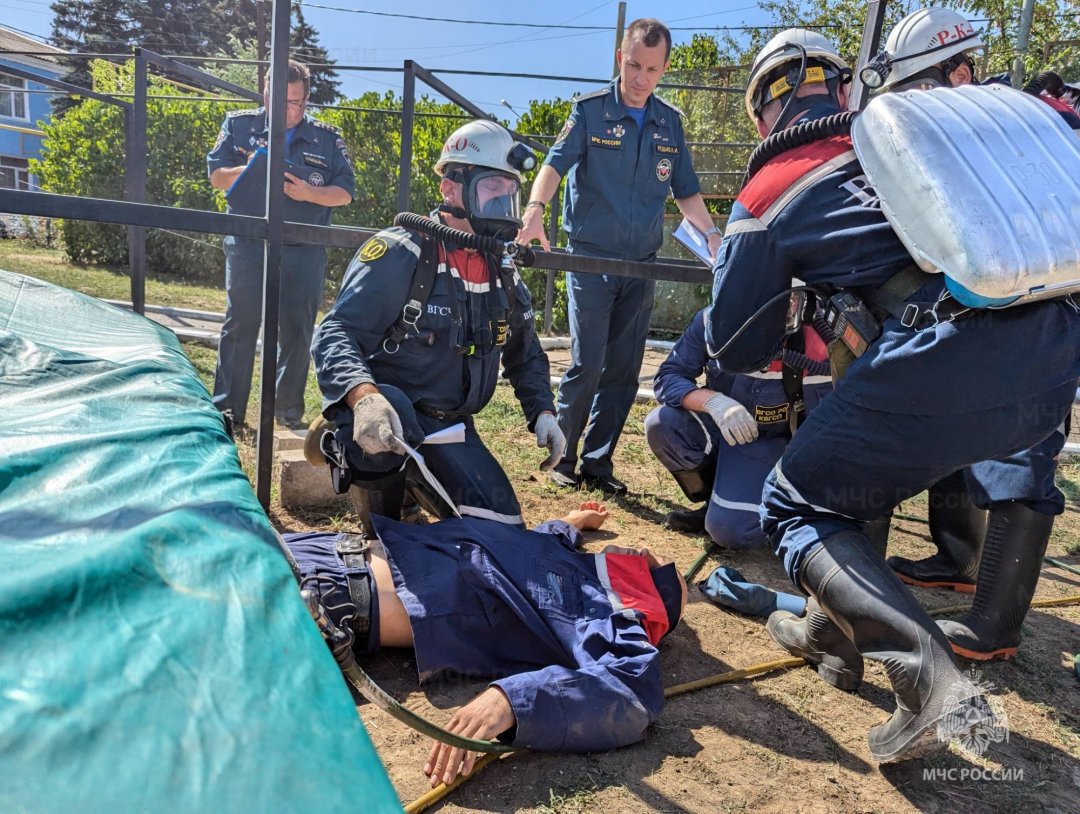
<point x="852" y="322"/>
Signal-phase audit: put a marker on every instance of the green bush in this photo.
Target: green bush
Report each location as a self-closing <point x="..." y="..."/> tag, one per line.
<point x="83" y="155"/>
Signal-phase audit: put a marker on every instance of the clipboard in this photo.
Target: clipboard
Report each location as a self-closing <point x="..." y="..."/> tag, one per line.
<point x="695" y="240"/>
<point x="247" y="193"/>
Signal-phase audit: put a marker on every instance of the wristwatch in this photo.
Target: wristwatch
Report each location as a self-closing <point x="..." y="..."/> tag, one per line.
<point x="716" y="230"/>
<point x="541" y="204"/>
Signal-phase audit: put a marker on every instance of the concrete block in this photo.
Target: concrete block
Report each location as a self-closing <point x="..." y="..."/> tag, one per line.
<point x="285" y="440"/>
<point x="303" y="486"/>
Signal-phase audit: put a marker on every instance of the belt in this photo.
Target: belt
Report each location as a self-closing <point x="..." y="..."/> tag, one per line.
<point x="354" y="553"/>
<point x="890" y="298"/>
<point x="431" y="412"/>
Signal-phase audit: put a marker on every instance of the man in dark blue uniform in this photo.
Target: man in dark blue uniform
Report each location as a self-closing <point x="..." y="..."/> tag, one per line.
<point x="932" y="48"/>
<point x="318" y="178"/>
<point x="571" y="638"/>
<point x="395" y="366"/>
<point x="919" y="402"/>
<point x="720" y="441"/>
<point x="623" y="149"/>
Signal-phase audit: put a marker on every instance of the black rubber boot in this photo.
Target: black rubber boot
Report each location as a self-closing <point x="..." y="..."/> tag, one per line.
<point x="877" y="532"/>
<point x="815" y="638"/>
<point x="935" y="701"/>
<point x="957" y="526"/>
<point x="1012" y="558"/>
<point x="382" y="496"/>
<point x="697" y="485"/>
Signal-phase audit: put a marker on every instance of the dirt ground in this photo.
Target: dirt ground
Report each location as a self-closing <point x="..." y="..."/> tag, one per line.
<point x="785" y="742"/>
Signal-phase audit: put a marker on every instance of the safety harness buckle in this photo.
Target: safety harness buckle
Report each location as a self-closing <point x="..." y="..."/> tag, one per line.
<point x="411" y="313"/>
<point x="910" y="315"/>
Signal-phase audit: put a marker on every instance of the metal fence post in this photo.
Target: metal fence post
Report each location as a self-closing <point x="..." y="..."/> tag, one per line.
<point x="549" y="287"/>
<point x="275" y="207"/>
<point x="136" y="121"/>
<point x="408" y="106"/>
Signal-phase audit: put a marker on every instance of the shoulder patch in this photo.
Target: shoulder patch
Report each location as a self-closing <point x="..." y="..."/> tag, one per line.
<point x="251" y="111"/>
<point x="374" y="249"/>
<point x="566" y="128"/>
<point x="668" y="104"/>
<point x="325" y="126"/>
<point x="596" y="94"/>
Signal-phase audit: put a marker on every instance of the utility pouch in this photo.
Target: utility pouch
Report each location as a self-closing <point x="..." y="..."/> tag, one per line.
<point x="334" y="452"/>
<point x="851" y="321"/>
<point x="840" y="359"/>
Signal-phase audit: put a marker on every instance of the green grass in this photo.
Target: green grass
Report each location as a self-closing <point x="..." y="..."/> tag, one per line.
<point x="104" y="282"/>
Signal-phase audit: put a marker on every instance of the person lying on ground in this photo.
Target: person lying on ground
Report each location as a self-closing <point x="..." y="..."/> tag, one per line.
<point x="570" y="638"/>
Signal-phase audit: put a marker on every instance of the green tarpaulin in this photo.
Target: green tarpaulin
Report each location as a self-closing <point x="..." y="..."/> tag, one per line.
<point x="155" y="655"/>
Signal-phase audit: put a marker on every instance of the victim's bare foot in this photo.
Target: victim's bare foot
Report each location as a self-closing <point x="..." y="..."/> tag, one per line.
<point x="588" y="516"/>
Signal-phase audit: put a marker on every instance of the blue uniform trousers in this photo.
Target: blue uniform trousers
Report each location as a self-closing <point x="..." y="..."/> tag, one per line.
<point x="302" y="271"/>
<point x="682" y="439"/>
<point x="609" y="320"/>
<point x="468" y="471"/>
<point x="1027" y="476"/>
<point x="849" y="464"/>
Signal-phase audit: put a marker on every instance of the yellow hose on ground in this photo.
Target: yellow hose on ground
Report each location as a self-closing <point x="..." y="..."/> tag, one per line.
<point x="440" y="791"/>
<point x="427" y="800"/>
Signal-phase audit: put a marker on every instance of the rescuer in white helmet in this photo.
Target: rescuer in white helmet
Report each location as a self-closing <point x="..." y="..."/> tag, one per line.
<point x="414" y="343"/>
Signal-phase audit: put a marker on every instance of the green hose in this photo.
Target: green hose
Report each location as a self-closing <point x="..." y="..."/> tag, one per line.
<point x="340" y="643"/>
<point x="710" y="547"/>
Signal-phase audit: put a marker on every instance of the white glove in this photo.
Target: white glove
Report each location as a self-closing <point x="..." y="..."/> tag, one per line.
<point x="375" y="425"/>
<point x="735" y="423"/>
<point x="549" y="435"/>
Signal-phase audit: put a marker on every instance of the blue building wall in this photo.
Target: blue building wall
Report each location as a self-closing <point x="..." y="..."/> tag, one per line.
<point x="15" y="140"/>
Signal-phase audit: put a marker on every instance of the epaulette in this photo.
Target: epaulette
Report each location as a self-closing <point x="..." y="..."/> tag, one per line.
<point x="594" y="95"/>
<point x="251" y="111"/>
<point x="335" y="130"/>
<point x="666" y="103"/>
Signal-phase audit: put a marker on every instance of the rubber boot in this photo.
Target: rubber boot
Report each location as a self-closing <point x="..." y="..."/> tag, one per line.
<point x="382" y="496"/>
<point x="877" y="532"/>
<point x="697" y="485"/>
<point x="935" y="701"/>
<point x="957" y="526"/>
<point x="815" y="638"/>
<point x="1012" y="558"/>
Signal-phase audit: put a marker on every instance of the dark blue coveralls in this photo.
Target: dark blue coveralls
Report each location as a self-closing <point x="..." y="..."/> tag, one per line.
<point x="432" y="369"/>
<point x="918" y="404"/>
<point x="684" y="440"/>
<point x="317" y="154"/>
<point x="619" y="177"/>
<point x="488" y="601"/>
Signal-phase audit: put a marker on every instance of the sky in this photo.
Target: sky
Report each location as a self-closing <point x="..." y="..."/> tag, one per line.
<point x="371" y="40"/>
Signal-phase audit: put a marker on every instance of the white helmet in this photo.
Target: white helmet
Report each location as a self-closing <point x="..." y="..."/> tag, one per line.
<point x="786" y="47"/>
<point x="924" y="39"/>
<point x="483" y="143"/>
<point x="484" y="158"/>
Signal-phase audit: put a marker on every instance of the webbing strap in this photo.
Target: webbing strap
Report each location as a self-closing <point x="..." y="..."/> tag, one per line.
<point x="423" y="280"/>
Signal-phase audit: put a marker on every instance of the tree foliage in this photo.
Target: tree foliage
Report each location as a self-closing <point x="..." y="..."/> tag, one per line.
<point x="84" y="154"/>
<point x="184" y="27"/>
<point x="304" y="47"/>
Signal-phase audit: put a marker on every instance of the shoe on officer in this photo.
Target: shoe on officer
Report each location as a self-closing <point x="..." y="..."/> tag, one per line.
<point x="608" y="484"/>
<point x="697" y="485"/>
